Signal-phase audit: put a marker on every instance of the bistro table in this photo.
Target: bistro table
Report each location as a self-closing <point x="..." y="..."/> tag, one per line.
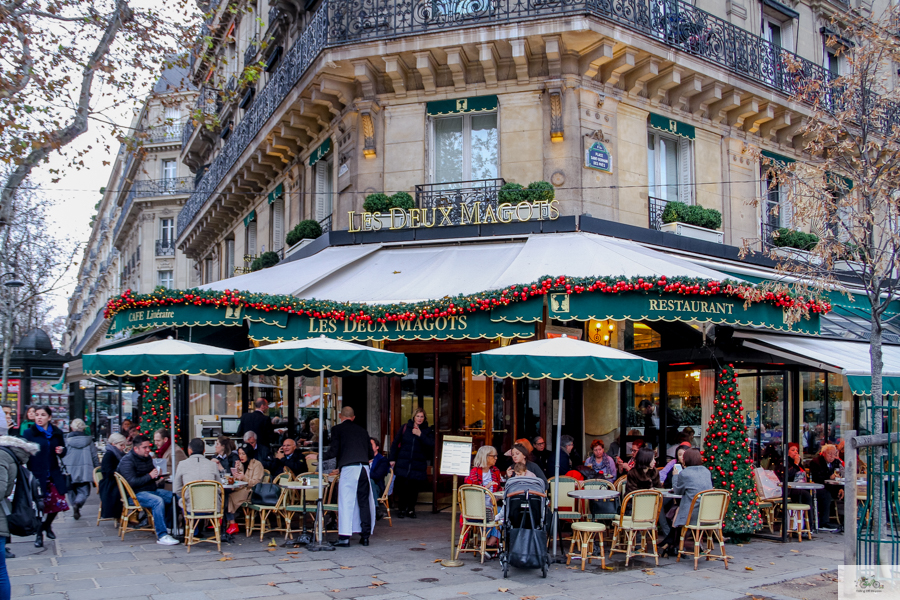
<point x="304" y="537"/>
<point x="234" y="486"/>
<point x="667" y="493"/>
<point x="595" y="494"/>
<point x="811" y="487"/>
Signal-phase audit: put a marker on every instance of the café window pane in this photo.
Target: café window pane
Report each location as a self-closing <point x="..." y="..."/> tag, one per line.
<point x="640" y="416"/>
<point x="465" y="148"/>
<point x="478" y="392"/>
<point x="684" y="409"/>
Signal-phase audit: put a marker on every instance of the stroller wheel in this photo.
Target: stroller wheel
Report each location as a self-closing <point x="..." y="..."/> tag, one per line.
<point x="505" y="571"/>
<point x="544" y="571"/>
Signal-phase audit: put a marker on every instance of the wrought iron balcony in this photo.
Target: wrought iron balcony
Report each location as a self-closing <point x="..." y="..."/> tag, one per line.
<point x="325" y="224"/>
<point x="231" y="86"/>
<point x="186" y="133"/>
<point x="165" y="247"/>
<point x="675" y="23"/>
<point x="458" y="194"/>
<point x="163" y="187"/>
<point x="251" y="51"/>
<point x="274" y="15"/>
<point x="209" y="100"/>
<point x="163" y="133"/>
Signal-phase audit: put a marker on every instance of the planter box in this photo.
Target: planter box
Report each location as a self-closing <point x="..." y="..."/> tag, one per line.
<point x="850" y="266"/>
<point x="297" y="246"/>
<point x="797" y="255"/>
<point x="692" y="231"/>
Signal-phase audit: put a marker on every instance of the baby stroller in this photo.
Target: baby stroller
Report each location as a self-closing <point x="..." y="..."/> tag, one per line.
<point x="524" y="531"/>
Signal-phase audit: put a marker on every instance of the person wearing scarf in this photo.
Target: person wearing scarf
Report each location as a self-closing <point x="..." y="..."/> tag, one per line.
<point x="45" y="466"/>
<point x="110" y="500"/>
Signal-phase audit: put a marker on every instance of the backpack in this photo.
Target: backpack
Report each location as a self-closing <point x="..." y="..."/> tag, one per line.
<point x="24" y="516"/>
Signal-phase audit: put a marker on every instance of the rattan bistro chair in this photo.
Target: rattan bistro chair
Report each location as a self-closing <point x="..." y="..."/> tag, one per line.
<point x="131" y="506"/>
<point x="98" y="477"/>
<point x="567" y="507"/>
<point x="597" y="484"/>
<point x="476" y="520"/>
<point x="385" y="499"/>
<point x="711" y="508"/>
<point x="296" y="504"/>
<point x="264" y="512"/>
<point x="645" y="506"/>
<point x="203" y="501"/>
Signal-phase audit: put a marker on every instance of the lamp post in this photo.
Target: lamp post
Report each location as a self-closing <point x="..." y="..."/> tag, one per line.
<point x="10" y="282"/>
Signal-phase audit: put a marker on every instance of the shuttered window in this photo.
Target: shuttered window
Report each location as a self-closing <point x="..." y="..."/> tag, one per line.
<point x="251" y="238"/>
<point x="229" y="258"/>
<point x="323" y="189"/>
<point x="670" y="167"/>
<point x="278" y="224"/>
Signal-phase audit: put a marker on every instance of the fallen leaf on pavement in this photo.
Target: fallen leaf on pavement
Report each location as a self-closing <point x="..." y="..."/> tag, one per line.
<point x="377" y="583"/>
<point x="335" y="591"/>
<point x="272" y="583"/>
<point x="271" y="550"/>
<point x="272" y="542"/>
<point x="437" y="560"/>
<point x="343" y="567"/>
<point x="656" y="584"/>
<point x="284" y="559"/>
<point x="463" y="593"/>
<point x="528" y="598"/>
<point x="324" y="569"/>
<point x="771" y="563"/>
<point x="294" y="552"/>
<point x="502" y="589"/>
<point x="797" y="551"/>
<point x="224" y="558"/>
<point x="649" y="571"/>
<point x="748" y="568"/>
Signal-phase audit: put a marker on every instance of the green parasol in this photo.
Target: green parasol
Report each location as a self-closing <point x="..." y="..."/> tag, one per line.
<point x="563" y="358"/>
<point x="160" y="358"/>
<point x="322" y="355"/>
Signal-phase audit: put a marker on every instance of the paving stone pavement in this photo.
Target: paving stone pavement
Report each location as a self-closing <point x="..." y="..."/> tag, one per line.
<point x="403" y="562"/>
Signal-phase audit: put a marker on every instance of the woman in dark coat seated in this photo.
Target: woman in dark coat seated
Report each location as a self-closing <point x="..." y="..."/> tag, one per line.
<point x="45" y="467"/>
<point x="111" y="501"/>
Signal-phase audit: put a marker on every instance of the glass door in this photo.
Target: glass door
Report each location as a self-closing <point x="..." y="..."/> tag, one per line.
<point x="764" y="397"/>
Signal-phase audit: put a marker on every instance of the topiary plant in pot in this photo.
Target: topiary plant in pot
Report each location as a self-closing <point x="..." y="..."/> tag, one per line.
<point x="264" y="261"/>
<point x="377" y="203"/>
<point x="304" y="230"/>
<point x="402" y="200"/>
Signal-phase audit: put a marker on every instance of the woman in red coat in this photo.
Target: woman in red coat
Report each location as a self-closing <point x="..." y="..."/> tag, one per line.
<point x="486" y="474"/>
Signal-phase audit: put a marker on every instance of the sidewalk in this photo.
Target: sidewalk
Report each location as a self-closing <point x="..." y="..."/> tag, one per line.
<point x="88" y="562"/>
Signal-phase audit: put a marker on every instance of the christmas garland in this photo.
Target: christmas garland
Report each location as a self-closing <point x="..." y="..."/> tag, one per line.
<point x="448" y="306"/>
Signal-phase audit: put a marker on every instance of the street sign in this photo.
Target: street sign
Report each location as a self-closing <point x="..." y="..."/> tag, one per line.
<point x="598" y="157"/>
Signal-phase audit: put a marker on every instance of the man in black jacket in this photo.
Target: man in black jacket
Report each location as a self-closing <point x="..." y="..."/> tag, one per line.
<point x="259" y="423"/>
<point x="137" y="469"/>
<point x="288" y="457"/>
<point x="351" y="446"/>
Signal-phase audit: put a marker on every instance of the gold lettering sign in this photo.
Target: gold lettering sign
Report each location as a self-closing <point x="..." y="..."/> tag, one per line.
<point x="475" y="213"/>
<point x="700" y="307"/>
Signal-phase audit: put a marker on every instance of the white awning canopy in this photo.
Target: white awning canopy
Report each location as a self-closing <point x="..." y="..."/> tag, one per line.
<point x="416" y="271"/>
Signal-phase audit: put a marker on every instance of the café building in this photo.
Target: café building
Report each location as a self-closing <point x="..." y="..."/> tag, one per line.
<point x="440" y="294"/>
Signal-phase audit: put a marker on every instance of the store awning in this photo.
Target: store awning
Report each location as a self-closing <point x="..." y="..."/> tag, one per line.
<point x="850" y="359"/>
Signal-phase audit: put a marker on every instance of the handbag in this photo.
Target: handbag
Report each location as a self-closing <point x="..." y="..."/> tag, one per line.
<point x="265" y="494"/>
<point x="527" y="545"/>
<point x="65" y="472"/>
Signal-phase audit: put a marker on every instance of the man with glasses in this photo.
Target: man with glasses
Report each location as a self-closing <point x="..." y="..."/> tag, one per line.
<point x="541" y="454"/>
<point x="288" y="457"/>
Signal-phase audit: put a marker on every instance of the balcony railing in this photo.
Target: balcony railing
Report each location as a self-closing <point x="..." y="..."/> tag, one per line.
<point x="274" y="15"/>
<point x="458" y="194"/>
<point x="187" y="132"/>
<point x="251" y="51"/>
<point x="163" y="133"/>
<point x="163" y="187"/>
<point x="165" y="247"/>
<point x="674" y="23"/>
<point x="656" y="208"/>
<point x="209" y="100"/>
<point x="325" y="224"/>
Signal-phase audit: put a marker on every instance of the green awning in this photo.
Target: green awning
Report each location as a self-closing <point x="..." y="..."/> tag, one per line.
<point x="846" y="184"/>
<point x="563" y="358"/>
<point x="672" y="126"/>
<point x="674" y="307"/>
<point x="861" y="385"/>
<point x="778" y="158"/>
<point x="461" y="106"/>
<point x="160" y="358"/>
<point x="277" y="193"/>
<point x="192" y="316"/>
<point x="520" y="312"/>
<point x="320" y="152"/>
<point x="470" y="326"/>
<point x="250" y="218"/>
<point x="320" y="354"/>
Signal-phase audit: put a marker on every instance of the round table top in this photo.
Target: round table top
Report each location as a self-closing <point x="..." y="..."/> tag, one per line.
<point x="667" y="493"/>
<point x="235" y="485"/>
<point x="595" y="494"/>
<point x="842" y="481"/>
<point x="803" y="485"/>
<point x="296" y="485"/>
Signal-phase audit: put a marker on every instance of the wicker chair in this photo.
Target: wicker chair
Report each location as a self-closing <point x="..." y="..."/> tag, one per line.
<point x="567" y="507"/>
<point x="265" y="511"/>
<point x="384" y="499"/>
<point x="711" y="508"/>
<point x="476" y="520"/>
<point x="130" y="507"/>
<point x="203" y="501"/>
<point x="295" y="504"/>
<point x="597" y="484"/>
<point x="645" y="505"/>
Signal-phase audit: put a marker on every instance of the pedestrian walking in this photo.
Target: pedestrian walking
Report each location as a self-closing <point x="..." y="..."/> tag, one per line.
<point x="80" y="460"/>
<point x="410" y="452"/>
<point x="351" y="447"/>
<point x="45" y="465"/>
<point x="13" y="452"/>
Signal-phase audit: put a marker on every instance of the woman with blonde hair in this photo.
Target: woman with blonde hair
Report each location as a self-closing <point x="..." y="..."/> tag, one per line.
<point x="80" y="461"/>
<point x="410" y="453"/>
<point x="486" y="474"/>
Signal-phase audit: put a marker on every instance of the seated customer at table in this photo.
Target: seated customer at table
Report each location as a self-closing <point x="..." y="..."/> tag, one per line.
<point x="248" y="470"/>
<point x="287" y="456"/>
<point x="145" y="480"/>
<point x="623" y="466"/>
<point x="226" y="454"/>
<point x="644" y="474"/>
<point x="379" y="467"/>
<point x="674" y="466"/>
<point x="821" y="469"/>
<point x="519" y="455"/>
<point x="695" y="478"/>
<point x="602" y="464"/>
<point x="195" y="467"/>
<point x="485" y="474"/>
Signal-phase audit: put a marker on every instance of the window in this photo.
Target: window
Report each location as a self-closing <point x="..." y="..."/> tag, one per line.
<point x="324" y="188"/>
<point x="777" y="212"/>
<point x="166" y="231"/>
<point x="165" y="278"/>
<point x="277" y="224"/>
<point x="229" y="258"/>
<point x="169" y="169"/>
<point x="669" y="167"/>
<point x="832" y="60"/>
<point x="465" y="148"/>
<point x="251" y="238"/>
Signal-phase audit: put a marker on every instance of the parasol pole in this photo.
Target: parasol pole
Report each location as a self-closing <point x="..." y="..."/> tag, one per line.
<point x="172" y="449"/>
<point x="320" y="543"/>
<point x="556" y="449"/>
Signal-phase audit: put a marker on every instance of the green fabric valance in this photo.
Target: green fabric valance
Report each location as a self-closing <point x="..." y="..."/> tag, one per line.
<point x="460" y="106"/>
<point x="250" y="218"/>
<point x="320" y="152"/>
<point x="277" y="193"/>
<point x="672" y="126"/>
<point x="861" y="385"/>
<point x="778" y="158"/>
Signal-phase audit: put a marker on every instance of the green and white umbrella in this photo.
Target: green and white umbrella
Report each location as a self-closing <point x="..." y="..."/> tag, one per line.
<point x="563" y="358"/>
<point x="161" y="358"/>
<point x="320" y="355"/>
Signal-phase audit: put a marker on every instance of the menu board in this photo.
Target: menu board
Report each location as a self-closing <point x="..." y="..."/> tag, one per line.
<point x="456" y="455"/>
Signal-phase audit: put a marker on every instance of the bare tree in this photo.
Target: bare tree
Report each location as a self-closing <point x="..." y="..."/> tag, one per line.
<point x="67" y="62"/>
<point x="848" y="191"/>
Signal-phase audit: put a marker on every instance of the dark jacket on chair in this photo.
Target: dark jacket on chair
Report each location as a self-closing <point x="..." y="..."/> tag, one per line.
<point x="45" y="464"/>
<point x="350" y="445"/>
<point x="411" y="453"/>
<point x="111" y="501"/>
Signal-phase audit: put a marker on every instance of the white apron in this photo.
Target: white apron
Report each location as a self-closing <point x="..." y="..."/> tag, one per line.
<point x="348" y="510"/>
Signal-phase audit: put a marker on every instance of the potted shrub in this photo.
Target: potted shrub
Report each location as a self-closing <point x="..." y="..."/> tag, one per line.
<point x="537" y="191"/>
<point x="302" y="234"/>
<point x="264" y="261"/>
<point x="692" y="221"/>
<point x="795" y="245"/>
<point x="382" y="203"/>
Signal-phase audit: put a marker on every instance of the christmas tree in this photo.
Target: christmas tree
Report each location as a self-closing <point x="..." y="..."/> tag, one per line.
<point x="155" y="414"/>
<point x="727" y="454"/>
